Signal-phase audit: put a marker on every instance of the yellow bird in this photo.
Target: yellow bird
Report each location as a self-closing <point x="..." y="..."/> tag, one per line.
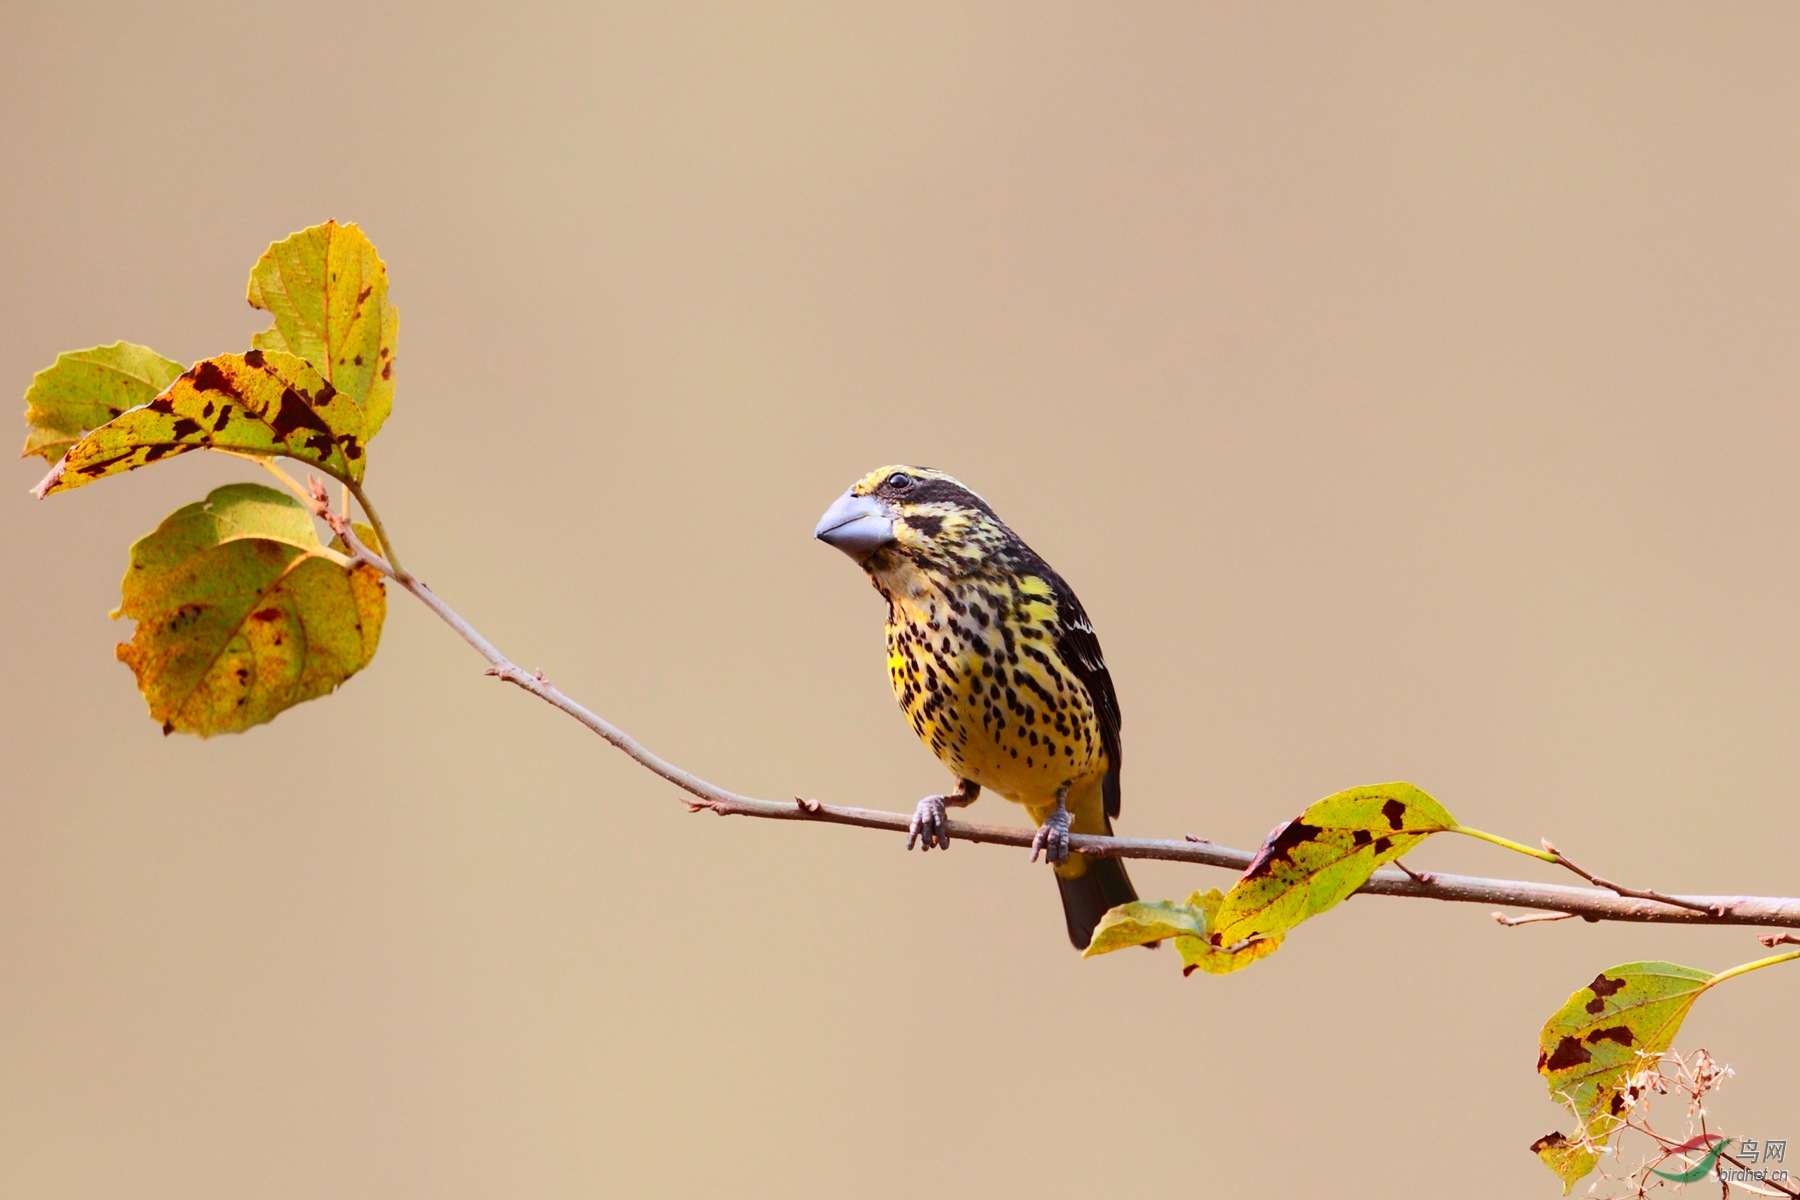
<point x="997" y="668"/>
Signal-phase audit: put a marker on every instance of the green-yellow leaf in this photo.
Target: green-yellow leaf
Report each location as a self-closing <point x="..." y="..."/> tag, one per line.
<point x="84" y="389"/>
<point x="1569" y="1160"/>
<point x="1610" y="1030"/>
<point x="327" y="290"/>
<point x="1323" y="855"/>
<point x="1199" y="953"/>
<point x="1141" y="923"/>
<point x="242" y="613"/>
<point x="255" y="403"/>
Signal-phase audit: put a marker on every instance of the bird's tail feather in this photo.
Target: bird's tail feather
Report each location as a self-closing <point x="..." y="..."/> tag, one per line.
<point x="1087" y="896"/>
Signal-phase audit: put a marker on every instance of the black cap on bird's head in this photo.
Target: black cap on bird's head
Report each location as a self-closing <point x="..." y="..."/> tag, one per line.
<point x="913" y="512"/>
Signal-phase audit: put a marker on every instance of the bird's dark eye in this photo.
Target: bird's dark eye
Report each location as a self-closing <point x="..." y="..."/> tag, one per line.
<point x="899" y="482"/>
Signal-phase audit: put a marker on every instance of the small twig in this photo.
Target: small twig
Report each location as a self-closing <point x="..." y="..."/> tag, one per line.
<point x="1416" y="876"/>
<point x="1772" y="940"/>
<point x="1562" y="860"/>
<point x="1532" y="919"/>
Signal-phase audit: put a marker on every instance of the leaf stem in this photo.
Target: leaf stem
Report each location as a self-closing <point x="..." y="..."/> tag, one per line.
<point x="267" y="462"/>
<point x="387" y="546"/>
<point x="1508" y="843"/>
<point x="1758" y="965"/>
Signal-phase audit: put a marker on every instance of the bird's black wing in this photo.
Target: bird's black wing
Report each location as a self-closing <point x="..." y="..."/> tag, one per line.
<point x="1079" y="648"/>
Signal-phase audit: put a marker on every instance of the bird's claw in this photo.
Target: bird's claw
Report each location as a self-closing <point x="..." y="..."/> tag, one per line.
<point x="930" y="825"/>
<point x="1052" y="839"/>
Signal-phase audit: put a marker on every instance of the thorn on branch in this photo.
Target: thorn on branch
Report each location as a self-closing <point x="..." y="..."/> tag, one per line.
<point x="1203" y="841"/>
<point x="806" y="806"/>
<point x="1531" y="919"/>
<point x="1772" y="940"/>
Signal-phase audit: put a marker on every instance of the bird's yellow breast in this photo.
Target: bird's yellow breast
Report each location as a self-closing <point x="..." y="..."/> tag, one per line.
<point x="975" y="667"/>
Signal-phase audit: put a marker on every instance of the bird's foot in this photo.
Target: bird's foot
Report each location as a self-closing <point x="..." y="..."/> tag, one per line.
<point x="1052" y="840"/>
<point x="930" y="824"/>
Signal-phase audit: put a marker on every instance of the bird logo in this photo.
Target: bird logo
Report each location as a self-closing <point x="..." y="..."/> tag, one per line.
<point x="1701" y="1169"/>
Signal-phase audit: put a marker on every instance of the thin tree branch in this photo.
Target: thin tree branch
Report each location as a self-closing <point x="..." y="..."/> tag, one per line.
<point x="1533" y="919"/>
<point x="1588" y="903"/>
<point x="1563" y="860"/>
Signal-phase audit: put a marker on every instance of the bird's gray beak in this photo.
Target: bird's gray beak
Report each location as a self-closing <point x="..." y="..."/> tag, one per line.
<point x="857" y="525"/>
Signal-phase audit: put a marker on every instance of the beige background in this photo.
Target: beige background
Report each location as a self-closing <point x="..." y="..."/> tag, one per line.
<point x="1408" y="393"/>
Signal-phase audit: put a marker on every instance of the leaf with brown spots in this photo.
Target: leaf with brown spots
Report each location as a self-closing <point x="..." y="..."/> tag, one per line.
<point x="242" y="613"/>
<point x="84" y="389"/>
<point x="254" y="403"/>
<point x="1141" y="923"/>
<point x="1323" y="855"/>
<point x="1570" y="1160"/>
<point x="327" y="290"/>
<point x="1610" y="1030"/>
